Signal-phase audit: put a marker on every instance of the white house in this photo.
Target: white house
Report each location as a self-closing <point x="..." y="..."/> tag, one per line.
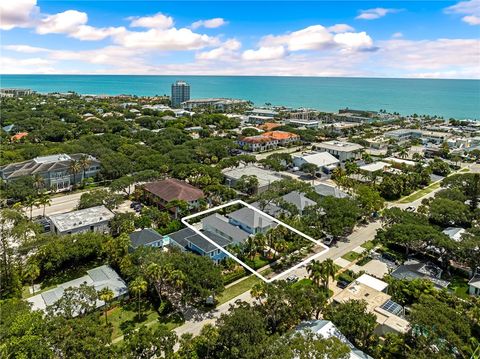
<point x="94" y="219"/>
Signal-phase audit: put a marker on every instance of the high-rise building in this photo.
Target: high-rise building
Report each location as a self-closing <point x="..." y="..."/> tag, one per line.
<point x="180" y="93"/>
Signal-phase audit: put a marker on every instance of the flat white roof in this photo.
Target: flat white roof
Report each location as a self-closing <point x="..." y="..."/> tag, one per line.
<point x="340" y="146"/>
<point x="372" y="282"/>
<point x="375" y="166"/>
<point x="52" y="158"/>
<point x="81" y="218"/>
<point x="320" y="159"/>
<point x="399" y="160"/>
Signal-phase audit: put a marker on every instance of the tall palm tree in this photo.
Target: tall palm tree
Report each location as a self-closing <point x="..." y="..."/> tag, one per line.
<point x="314" y="269"/>
<point x="138" y="287"/>
<point x="105" y="294"/>
<point x="44" y="200"/>
<point x="31" y="202"/>
<point x="177" y="278"/>
<point x="74" y="168"/>
<point x="328" y="270"/>
<point x="251" y="247"/>
<point x="279" y="246"/>
<point x="31" y="272"/>
<point x="403" y="153"/>
<point x="38" y="181"/>
<point x="155" y="274"/>
<point x="84" y="162"/>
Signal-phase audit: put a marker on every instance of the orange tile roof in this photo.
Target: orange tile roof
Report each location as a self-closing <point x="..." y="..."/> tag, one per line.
<point x="18" y="136"/>
<point x="268" y="126"/>
<point x="280" y="135"/>
<point x="257" y="139"/>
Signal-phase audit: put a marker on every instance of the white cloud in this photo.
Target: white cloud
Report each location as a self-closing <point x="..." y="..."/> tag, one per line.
<point x="265" y="53"/>
<point x="64" y="22"/>
<point x="73" y="24"/>
<point x="313" y="37"/>
<point x="225" y="52"/>
<point x="157" y="21"/>
<point x="26" y="49"/>
<point x="317" y="37"/>
<point x="340" y="28"/>
<point x="36" y="65"/>
<point x="17" y="13"/>
<point x="376" y="13"/>
<point x="354" y="40"/>
<point x="470" y="8"/>
<point x="169" y="39"/>
<point x="397" y="35"/>
<point x="209" y="24"/>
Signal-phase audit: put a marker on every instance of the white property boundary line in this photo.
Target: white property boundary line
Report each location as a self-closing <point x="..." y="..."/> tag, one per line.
<point x="185" y="222"/>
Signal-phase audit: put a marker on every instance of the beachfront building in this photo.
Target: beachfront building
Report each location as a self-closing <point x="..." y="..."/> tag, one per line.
<point x="180" y="93"/>
<point x="56" y="171"/>
<point x="261" y="115"/>
<point x="99" y="278"/>
<point x="407" y="134"/>
<point x="93" y="219"/>
<point x="219" y="104"/>
<point x="344" y="151"/>
<point x="306" y="123"/>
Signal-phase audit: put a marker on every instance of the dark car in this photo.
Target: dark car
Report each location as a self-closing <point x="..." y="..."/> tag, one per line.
<point x="134" y="204"/>
<point x="342" y="284"/>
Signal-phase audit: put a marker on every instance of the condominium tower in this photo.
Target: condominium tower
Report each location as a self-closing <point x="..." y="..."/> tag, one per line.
<point x="180" y="93"/>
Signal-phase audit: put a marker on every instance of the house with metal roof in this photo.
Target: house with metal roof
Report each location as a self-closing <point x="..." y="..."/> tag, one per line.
<point x="474" y="285"/>
<point x="295" y="198"/>
<point x="54" y="169"/>
<point x="251" y="221"/>
<point x="100" y="277"/>
<point x="326" y="329"/>
<point x="189" y="240"/>
<point x="323" y="160"/>
<point x="148" y="237"/>
<point x="414" y="269"/>
<point x="220" y="225"/>
<point x="325" y="190"/>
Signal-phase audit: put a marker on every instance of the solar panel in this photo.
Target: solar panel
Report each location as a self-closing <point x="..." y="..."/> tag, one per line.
<point x="392" y="307"/>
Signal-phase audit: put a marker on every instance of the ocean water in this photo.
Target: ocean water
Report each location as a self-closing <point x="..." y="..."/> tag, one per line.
<point x="448" y="98"/>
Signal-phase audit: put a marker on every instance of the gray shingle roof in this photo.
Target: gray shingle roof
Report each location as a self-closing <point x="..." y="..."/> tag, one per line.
<point x="145" y="237"/>
<point x="249" y="217"/>
<point x="326" y="190"/>
<point x="221" y="225"/>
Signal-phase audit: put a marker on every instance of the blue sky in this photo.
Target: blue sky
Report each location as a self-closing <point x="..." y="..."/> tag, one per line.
<point x="434" y="39"/>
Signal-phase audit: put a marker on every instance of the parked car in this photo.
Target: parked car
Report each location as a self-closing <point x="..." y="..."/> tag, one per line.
<point x="292" y="278"/>
<point x="134" y="204"/>
<point x="329" y="240"/>
<point x="342" y="284"/>
<point x="410" y="209"/>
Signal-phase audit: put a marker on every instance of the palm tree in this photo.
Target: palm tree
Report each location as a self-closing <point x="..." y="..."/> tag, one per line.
<point x="177" y="278"/>
<point x="44" y="201"/>
<point x="105" y="294"/>
<point x="351" y="167"/>
<point x="156" y="273"/>
<point x="31" y="202"/>
<point x="74" y="168"/>
<point x="84" y="162"/>
<point x="314" y="270"/>
<point x="403" y="153"/>
<point x="280" y="245"/>
<point x="328" y="270"/>
<point x="138" y="286"/>
<point x="251" y="247"/>
<point x="38" y="181"/>
<point x="31" y="272"/>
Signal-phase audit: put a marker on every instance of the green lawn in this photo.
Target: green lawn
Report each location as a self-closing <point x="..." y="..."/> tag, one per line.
<point x="351" y="256"/>
<point x="237" y="289"/>
<point x="124" y="317"/>
<point x="369" y="245"/>
<point x="459" y="286"/>
<point x="465" y="170"/>
<point x="419" y="194"/>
